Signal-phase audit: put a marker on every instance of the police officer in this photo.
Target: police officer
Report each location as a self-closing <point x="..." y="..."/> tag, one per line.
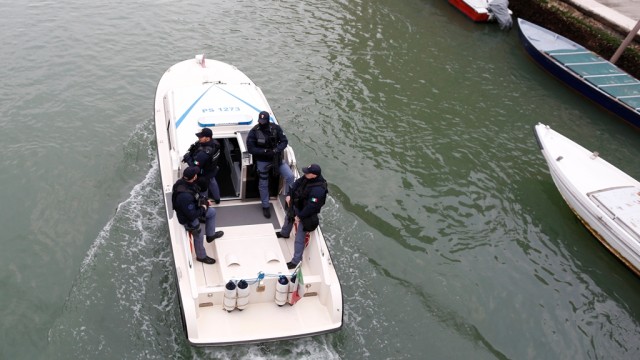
<point x="204" y="154"/>
<point x="308" y="195"/>
<point x="266" y="142"/>
<point x="190" y="207"/>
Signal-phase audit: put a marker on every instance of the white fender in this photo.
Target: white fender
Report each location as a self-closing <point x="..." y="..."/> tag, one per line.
<point x="243" y="295"/>
<point x="230" y="296"/>
<point x="282" y="290"/>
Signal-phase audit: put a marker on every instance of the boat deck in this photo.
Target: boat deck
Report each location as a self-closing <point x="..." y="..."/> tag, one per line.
<point x="249" y="244"/>
<point x="235" y="213"/>
<point x="600" y="73"/>
<point x="311" y="315"/>
<point x="250" y="247"/>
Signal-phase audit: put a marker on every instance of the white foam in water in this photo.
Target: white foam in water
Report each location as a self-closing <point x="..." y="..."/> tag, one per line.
<point x="133" y="206"/>
<point x="360" y="310"/>
<point x="125" y="287"/>
<point x="301" y="349"/>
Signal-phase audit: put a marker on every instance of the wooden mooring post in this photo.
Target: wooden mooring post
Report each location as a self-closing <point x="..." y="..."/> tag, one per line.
<point x="625" y="43"/>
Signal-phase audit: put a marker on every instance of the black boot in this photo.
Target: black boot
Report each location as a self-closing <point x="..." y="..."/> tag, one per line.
<point x="207" y="260"/>
<point x="218" y="234"/>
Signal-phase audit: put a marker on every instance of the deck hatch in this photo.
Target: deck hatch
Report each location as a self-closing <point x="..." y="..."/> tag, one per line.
<point x="622" y="205"/>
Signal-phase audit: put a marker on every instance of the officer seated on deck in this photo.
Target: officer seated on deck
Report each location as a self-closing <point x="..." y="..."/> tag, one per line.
<point x="190" y="206"/>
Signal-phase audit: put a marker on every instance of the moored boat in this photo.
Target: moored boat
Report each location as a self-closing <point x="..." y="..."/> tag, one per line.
<point x="485" y="10"/>
<point x="583" y="70"/>
<point x="249" y="295"/>
<point x="604" y="198"/>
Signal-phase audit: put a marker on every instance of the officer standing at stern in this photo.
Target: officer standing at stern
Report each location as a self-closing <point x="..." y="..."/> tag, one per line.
<point x="308" y="195"/>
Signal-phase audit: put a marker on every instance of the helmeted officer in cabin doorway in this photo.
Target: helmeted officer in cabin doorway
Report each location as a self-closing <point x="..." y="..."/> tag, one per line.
<point x="266" y="142"/>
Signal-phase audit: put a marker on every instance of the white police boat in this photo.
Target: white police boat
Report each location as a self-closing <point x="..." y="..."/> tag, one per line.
<point x="248" y="295"/>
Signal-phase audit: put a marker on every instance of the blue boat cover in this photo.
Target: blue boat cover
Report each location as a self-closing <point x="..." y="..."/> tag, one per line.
<point x="601" y="73"/>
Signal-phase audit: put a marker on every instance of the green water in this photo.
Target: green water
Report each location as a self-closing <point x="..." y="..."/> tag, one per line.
<point x="450" y="239"/>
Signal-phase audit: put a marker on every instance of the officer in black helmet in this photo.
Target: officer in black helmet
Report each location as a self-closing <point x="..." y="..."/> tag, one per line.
<point x="266" y="142"/>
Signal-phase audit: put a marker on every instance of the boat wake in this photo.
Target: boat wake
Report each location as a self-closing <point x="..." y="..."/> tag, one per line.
<point x="121" y="304"/>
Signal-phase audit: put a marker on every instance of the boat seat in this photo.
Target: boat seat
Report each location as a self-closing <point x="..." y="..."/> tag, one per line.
<point x="210" y="295"/>
<point x="615" y="79"/>
<point x="311" y="284"/>
<point x="634" y="102"/>
<point x="587" y="69"/>
<point x="572" y="58"/>
<point x="623" y="90"/>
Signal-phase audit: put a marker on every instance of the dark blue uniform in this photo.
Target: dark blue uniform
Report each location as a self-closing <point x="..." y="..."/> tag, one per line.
<point x="307" y="198"/>
<point x="205" y="156"/>
<point x="264" y="142"/>
<point x="185" y="203"/>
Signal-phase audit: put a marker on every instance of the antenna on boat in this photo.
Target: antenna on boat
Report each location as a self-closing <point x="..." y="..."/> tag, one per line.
<point x="200" y="60"/>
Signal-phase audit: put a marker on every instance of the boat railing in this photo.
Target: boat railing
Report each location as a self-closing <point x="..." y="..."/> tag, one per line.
<point x="320" y="280"/>
<point x="185" y="240"/>
<point x="290" y="159"/>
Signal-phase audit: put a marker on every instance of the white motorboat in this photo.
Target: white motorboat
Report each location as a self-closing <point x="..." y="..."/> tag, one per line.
<point x="486" y="11"/>
<point x="604" y="198"/>
<point x="200" y="93"/>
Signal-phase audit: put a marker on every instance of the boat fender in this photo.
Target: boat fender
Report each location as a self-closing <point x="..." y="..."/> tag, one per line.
<point x="282" y="290"/>
<point x="230" y="296"/>
<point x="243" y="295"/>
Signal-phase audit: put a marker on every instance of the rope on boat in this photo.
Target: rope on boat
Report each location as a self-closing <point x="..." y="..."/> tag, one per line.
<point x="262" y="276"/>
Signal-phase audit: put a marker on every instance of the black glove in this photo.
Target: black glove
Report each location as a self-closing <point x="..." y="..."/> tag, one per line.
<point x="203" y="201"/>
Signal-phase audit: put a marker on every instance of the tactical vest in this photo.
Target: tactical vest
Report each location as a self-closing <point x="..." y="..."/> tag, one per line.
<point x="213" y="154"/>
<point x="301" y="195"/>
<point x="181" y="186"/>
<point x="268" y="142"/>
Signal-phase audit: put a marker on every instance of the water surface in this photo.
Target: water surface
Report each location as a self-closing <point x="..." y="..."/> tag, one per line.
<point x="449" y="237"/>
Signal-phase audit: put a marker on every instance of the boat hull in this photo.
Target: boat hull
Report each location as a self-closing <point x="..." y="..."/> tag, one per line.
<point x="200" y="93"/>
<point x="605" y="199"/>
<point x="476" y="13"/>
<point x="535" y="38"/>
